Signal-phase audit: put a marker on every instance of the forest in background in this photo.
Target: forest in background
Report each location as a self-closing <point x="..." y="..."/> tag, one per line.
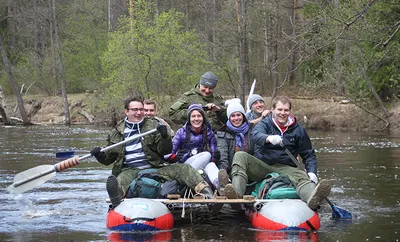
<point x="161" y="48"/>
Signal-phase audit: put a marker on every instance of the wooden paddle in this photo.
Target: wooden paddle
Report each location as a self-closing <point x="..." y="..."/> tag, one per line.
<point x="35" y="176"/>
<point x="337" y="212"/>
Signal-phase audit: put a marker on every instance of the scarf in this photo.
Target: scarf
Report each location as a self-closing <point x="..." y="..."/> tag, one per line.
<point x="239" y="134"/>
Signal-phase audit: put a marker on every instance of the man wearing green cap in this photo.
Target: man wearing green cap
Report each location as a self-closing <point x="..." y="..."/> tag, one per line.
<point x="202" y="93"/>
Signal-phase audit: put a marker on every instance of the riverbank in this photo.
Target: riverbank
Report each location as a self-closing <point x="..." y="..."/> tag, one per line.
<point x="335" y="113"/>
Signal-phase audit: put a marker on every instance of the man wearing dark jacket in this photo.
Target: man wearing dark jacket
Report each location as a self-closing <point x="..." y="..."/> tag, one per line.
<point x="143" y="153"/>
<point x="270" y="156"/>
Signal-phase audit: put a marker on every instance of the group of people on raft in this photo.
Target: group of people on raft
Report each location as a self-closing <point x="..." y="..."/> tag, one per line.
<point x="230" y="146"/>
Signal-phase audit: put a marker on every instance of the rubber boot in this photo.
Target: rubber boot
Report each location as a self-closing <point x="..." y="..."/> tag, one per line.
<point x="313" y="194"/>
<point x="223" y="180"/>
<point x="208" y="193"/>
<point x="237" y="188"/>
<point x="204" y="189"/>
<point x="114" y="191"/>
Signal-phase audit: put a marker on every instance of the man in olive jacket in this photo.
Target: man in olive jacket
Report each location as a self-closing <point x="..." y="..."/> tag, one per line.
<point x="147" y="152"/>
<point x="203" y="94"/>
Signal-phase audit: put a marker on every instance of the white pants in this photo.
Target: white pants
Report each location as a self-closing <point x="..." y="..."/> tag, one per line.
<point x="202" y="161"/>
<point x="212" y="173"/>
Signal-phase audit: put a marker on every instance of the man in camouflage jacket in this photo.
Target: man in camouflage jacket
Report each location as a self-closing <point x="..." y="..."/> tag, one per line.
<point x="146" y="152"/>
<point x="203" y="94"/>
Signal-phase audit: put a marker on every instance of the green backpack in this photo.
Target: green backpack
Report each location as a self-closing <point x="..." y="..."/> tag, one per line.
<point x="147" y="184"/>
<point x="275" y="186"/>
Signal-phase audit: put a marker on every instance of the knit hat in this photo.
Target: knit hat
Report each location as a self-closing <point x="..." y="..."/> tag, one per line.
<point x="254" y="98"/>
<point x="195" y="106"/>
<point x="235" y="107"/>
<point x="209" y="79"/>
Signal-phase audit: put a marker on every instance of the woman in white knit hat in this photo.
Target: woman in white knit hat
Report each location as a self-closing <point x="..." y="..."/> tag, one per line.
<point x="235" y="137"/>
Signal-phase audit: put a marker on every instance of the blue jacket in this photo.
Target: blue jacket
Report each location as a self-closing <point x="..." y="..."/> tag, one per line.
<point x="196" y="141"/>
<point x="295" y="139"/>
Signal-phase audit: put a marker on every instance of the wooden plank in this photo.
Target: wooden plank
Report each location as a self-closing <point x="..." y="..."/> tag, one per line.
<point x="205" y="201"/>
<point x="223" y="200"/>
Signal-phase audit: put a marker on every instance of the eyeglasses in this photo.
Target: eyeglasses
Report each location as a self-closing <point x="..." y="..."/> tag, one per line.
<point x="136" y="109"/>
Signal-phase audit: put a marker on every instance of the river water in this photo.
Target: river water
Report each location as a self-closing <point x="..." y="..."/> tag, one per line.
<point x="363" y="168"/>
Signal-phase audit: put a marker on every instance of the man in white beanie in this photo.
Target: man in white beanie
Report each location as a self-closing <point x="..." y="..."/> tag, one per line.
<point x="258" y="110"/>
<point x="203" y="94"/>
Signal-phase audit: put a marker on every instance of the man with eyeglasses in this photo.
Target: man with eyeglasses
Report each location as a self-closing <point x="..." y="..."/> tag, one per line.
<point x="203" y="94"/>
<point x="150" y="111"/>
<point x="129" y="159"/>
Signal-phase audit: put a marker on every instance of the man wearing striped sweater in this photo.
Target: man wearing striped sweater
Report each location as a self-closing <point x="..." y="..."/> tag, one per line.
<point x="139" y="154"/>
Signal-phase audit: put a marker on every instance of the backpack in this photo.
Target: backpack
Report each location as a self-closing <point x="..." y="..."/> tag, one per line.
<point x="171" y="187"/>
<point x="150" y="184"/>
<point x="275" y="186"/>
<point x="147" y="184"/>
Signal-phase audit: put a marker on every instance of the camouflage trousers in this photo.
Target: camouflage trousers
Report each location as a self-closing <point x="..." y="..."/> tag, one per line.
<point x="183" y="173"/>
<point x="254" y="169"/>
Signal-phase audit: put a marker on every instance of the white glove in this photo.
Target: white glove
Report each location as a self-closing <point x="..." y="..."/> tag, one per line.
<point x="274" y="139"/>
<point x="313" y="177"/>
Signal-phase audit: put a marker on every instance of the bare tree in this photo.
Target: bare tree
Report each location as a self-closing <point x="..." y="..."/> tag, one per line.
<point x="292" y="44"/>
<point x="13" y="81"/>
<point x="62" y="72"/>
<point x="3" y="109"/>
<point x="53" y="54"/>
<point x="241" y="6"/>
<point x="275" y="48"/>
<point x="132" y="10"/>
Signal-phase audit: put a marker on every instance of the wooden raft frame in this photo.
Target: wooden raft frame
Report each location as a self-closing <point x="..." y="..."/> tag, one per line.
<point x="247" y="199"/>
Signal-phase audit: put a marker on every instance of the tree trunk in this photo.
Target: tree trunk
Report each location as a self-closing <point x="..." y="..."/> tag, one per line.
<point x="13" y="81"/>
<point x="275" y="76"/>
<point x="292" y="46"/>
<point x="266" y="59"/>
<point x="3" y="109"/>
<point x="36" y="44"/>
<point x="158" y="7"/>
<point x="338" y="59"/>
<point x="210" y="25"/>
<point x="11" y="27"/>
<point x="109" y="17"/>
<point x="241" y="6"/>
<point x="53" y="54"/>
<point x="132" y="10"/>
<point x="62" y="72"/>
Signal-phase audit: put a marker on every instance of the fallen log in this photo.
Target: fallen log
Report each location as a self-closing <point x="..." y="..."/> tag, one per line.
<point x="88" y="117"/>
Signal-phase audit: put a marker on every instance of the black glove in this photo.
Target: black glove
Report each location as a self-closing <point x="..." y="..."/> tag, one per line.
<point x="95" y="152"/>
<point x="162" y="129"/>
<point x="175" y="158"/>
<point x="217" y="155"/>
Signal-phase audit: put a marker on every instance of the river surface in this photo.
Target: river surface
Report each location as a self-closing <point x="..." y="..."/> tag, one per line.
<point x="364" y="170"/>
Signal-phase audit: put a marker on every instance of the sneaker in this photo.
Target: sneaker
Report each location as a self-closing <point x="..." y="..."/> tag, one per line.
<point x="319" y="194"/>
<point x="223" y="178"/>
<point x="230" y="192"/>
<point x="113" y="190"/>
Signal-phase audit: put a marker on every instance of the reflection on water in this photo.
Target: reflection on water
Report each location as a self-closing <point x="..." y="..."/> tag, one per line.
<point x="363" y="169"/>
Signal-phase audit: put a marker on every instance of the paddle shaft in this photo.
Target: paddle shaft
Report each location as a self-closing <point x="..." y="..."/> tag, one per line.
<point x="75" y="160"/>
<point x="300" y="167"/>
<point x="253" y="86"/>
